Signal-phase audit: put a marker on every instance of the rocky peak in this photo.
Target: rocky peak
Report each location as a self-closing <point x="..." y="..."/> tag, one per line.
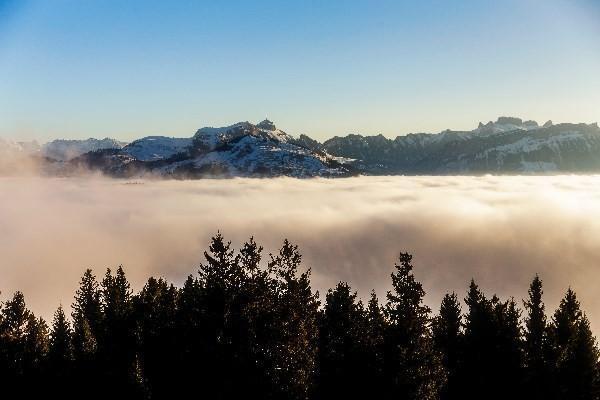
<point x="266" y="125"/>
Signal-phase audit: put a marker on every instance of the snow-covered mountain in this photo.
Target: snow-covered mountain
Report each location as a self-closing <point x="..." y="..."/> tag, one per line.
<point x="64" y="150"/>
<point x="242" y="149"/>
<point x="508" y="145"/>
<point x="153" y="148"/>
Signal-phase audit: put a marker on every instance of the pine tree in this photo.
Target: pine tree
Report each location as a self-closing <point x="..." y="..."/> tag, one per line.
<point x="413" y="366"/>
<point x="575" y="354"/>
<point x="191" y="339"/>
<point x="221" y="278"/>
<point x="13" y="331"/>
<point x="508" y="363"/>
<point x="475" y="372"/>
<point x="447" y="337"/>
<point x="374" y="342"/>
<point x="35" y="357"/>
<point x="87" y="323"/>
<point x="87" y="317"/>
<point x="537" y="370"/>
<point x="117" y="340"/>
<point x="294" y="346"/>
<point x="342" y="345"/>
<point x="60" y="356"/>
<point x="155" y="310"/>
<point x="60" y="350"/>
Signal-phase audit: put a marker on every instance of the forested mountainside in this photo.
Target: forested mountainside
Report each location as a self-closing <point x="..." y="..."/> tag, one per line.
<point x="241" y="327"/>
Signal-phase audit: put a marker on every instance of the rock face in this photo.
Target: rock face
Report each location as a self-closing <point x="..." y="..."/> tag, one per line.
<point x="508" y="145"/>
<point x="242" y="149"/>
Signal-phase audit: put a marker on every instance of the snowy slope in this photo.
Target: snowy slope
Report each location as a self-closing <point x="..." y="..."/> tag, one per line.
<point x="508" y="145"/>
<point x="152" y="148"/>
<point x="241" y="149"/>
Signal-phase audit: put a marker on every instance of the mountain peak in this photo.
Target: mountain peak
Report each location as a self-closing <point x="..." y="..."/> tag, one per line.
<point x="266" y="125"/>
<point x="506" y="124"/>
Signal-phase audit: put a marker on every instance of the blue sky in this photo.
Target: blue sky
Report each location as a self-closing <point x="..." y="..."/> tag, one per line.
<point x="125" y="69"/>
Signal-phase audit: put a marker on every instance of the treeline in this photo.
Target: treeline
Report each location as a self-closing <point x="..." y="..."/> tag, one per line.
<point x="244" y="328"/>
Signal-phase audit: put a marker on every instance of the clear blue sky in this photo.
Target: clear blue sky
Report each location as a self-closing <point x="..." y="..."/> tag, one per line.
<point x="73" y="68"/>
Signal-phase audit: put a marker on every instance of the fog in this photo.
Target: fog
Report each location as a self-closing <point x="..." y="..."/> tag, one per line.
<point x="498" y="230"/>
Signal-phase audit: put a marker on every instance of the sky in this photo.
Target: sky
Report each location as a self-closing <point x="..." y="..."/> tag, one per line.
<point x="126" y="69"/>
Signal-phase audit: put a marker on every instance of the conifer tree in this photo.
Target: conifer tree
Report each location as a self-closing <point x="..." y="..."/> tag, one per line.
<point x="60" y="357"/>
<point x="535" y="343"/>
<point x="87" y="317"/>
<point x="35" y="357"/>
<point x="13" y="332"/>
<point x="60" y="352"/>
<point x="475" y="371"/>
<point x="575" y="352"/>
<point x="508" y="363"/>
<point x="294" y="346"/>
<point x="342" y="350"/>
<point x="155" y="309"/>
<point x="117" y="340"/>
<point x="374" y="342"/>
<point x="221" y="278"/>
<point x="447" y="336"/>
<point x="191" y="335"/>
<point x="87" y="323"/>
<point x="413" y="366"/>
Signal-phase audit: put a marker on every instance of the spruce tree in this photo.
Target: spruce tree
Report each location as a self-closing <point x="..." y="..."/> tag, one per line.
<point x="448" y="338"/>
<point x="535" y="343"/>
<point x="117" y="338"/>
<point x="155" y="310"/>
<point x="60" y="356"/>
<point x="374" y="342"/>
<point x="87" y="323"/>
<point x="476" y="376"/>
<point x="294" y="344"/>
<point x="413" y="366"/>
<point x="13" y="332"/>
<point x="87" y="317"/>
<point x="221" y="278"/>
<point x="342" y="345"/>
<point x="575" y="352"/>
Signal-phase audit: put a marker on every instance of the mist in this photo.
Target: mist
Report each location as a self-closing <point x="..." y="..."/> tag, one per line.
<point x="500" y="231"/>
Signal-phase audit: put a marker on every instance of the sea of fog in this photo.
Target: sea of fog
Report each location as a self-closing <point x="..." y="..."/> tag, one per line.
<point x="500" y="231"/>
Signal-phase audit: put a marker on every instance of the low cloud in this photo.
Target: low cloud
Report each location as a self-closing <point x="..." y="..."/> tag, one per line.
<point x="499" y="230"/>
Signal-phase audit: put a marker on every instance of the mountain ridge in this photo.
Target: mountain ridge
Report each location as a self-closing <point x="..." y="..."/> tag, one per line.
<point x="507" y="145"/>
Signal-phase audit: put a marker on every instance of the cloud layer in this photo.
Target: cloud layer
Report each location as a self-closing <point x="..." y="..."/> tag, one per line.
<point x="498" y="230"/>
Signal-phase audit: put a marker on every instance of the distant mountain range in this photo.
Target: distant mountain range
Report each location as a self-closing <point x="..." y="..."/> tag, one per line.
<point x="506" y="146"/>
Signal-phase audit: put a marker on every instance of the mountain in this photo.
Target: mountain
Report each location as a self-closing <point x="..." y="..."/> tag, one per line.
<point x="241" y="149"/>
<point x="508" y="145"/>
<point x="64" y="150"/>
<point x="153" y="148"/>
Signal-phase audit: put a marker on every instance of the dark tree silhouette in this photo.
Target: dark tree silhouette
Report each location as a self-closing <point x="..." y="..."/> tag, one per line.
<point x="575" y="355"/>
<point x="448" y="340"/>
<point x="344" y="341"/>
<point x="537" y="379"/>
<point x="413" y="367"/>
<point x="244" y="328"/>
